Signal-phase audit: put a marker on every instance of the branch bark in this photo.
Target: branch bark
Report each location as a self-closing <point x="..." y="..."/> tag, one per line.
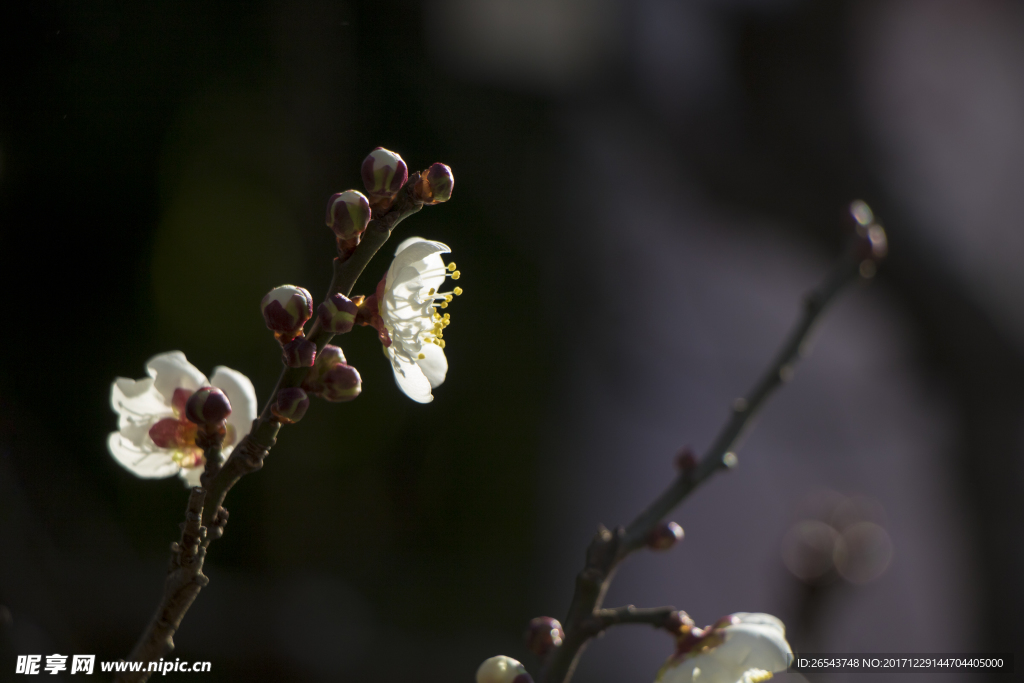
<point x="608" y="549"/>
<point x="184" y="580"/>
<point x="206" y="517"/>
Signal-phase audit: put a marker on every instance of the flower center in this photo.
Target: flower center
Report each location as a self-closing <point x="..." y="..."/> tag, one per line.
<point x="435" y="335"/>
<point x="179" y="434"/>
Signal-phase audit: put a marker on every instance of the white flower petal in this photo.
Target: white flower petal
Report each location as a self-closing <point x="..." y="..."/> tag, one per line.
<point x="148" y="462"/>
<point x="755" y="645"/>
<point x="137" y="402"/>
<point x="171" y="371"/>
<point x="242" y="396"/>
<point x="417" y="249"/>
<point x="411" y="380"/>
<point x="434" y="366"/>
<point x="191" y="475"/>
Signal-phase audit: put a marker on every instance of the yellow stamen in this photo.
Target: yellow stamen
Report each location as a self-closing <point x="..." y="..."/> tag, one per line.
<point x="458" y="291"/>
<point x="444" y="305"/>
<point x="432" y="290"/>
<point x="447" y="297"/>
<point x="421" y="356"/>
<point x="441" y="343"/>
<point x="447" y="315"/>
<point x="451" y="266"/>
<point x="456" y="275"/>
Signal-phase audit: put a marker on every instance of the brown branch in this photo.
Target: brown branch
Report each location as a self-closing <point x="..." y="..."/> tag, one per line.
<point x="658" y="617"/>
<point x="607" y="550"/>
<point x="184" y="580"/>
<point x="346" y="273"/>
<point x="205" y="523"/>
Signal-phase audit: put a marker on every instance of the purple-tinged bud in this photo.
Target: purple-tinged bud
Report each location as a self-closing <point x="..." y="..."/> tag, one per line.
<point x="664" y="536"/>
<point x="543" y="635"/>
<point x="328" y="357"/>
<point x="341" y="383"/>
<point x="292" y="403"/>
<point x="348" y="214"/>
<point x="286" y="309"/>
<point x="207" y="406"/>
<point x="727" y="620"/>
<point x="686" y="460"/>
<point x="678" y="621"/>
<point x="384" y="173"/>
<point x="299" y="353"/>
<point x="337" y="314"/>
<point x="502" y="669"/>
<point x="434" y="185"/>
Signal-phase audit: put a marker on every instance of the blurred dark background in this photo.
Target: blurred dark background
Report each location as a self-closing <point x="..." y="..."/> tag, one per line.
<point x="643" y="190"/>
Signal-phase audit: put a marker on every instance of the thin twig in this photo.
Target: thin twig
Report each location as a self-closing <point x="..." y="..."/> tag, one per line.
<point x="181" y="588"/>
<point x="608" y="549"/>
<point x="185" y="579"/>
<point x="658" y="617"/>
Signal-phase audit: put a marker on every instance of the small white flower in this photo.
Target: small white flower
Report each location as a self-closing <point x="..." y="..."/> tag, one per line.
<point x="754" y="647"/>
<point x="407" y="301"/>
<point x="155" y="407"/>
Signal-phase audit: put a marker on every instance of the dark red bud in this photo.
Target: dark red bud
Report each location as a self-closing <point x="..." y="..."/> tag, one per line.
<point x="664" y="536"/>
<point x="291" y="404"/>
<point x="686" y="459"/>
<point x="299" y="353"/>
<point x="208" y="406"/>
<point x="543" y="635"/>
<point x="337" y="314"/>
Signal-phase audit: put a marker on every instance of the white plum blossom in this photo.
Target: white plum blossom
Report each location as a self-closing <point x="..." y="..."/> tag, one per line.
<point x="154" y="440"/>
<point x="748" y="650"/>
<point x="407" y="301"/>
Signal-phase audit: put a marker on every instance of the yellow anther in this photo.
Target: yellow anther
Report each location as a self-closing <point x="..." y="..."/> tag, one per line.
<point x="432" y="290"/>
<point x="421" y="356"/>
<point x="441" y="343"/>
<point x="446" y="322"/>
<point x="444" y="305"/>
<point x="456" y="275"/>
<point x="447" y="297"/>
<point x="437" y="316"/>
<point x="458" y="291"/>
<point x="451" y="266"/>
<point x="447" y="315"/>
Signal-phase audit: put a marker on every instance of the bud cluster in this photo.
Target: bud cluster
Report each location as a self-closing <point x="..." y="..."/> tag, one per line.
<point x="332" y="378"/>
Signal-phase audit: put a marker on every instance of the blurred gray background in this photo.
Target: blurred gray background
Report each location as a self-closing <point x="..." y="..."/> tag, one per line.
<point x="644" y="190"/>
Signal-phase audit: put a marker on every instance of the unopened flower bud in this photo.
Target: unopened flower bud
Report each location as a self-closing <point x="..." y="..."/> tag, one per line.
<point x="337" y="314"/>
<point x="434" y="185"/>
<point x="686" y="460"/>
<point x="286" y="309"/>
<point x="207" y="406"/>
<point x="341" y="383"/>
<point x="678" y="621"/>
<point x="384" y="173"/>
<point x="664" y="536"/>
<point x="502" y="669"/>
<point x="328" y="357"/>
<point x="727" y="620"/>
<point x="348" y="214"/>
<point x="299" y="353"/>
<point x="292" y="403"/>
<point x="543" y="635"/>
